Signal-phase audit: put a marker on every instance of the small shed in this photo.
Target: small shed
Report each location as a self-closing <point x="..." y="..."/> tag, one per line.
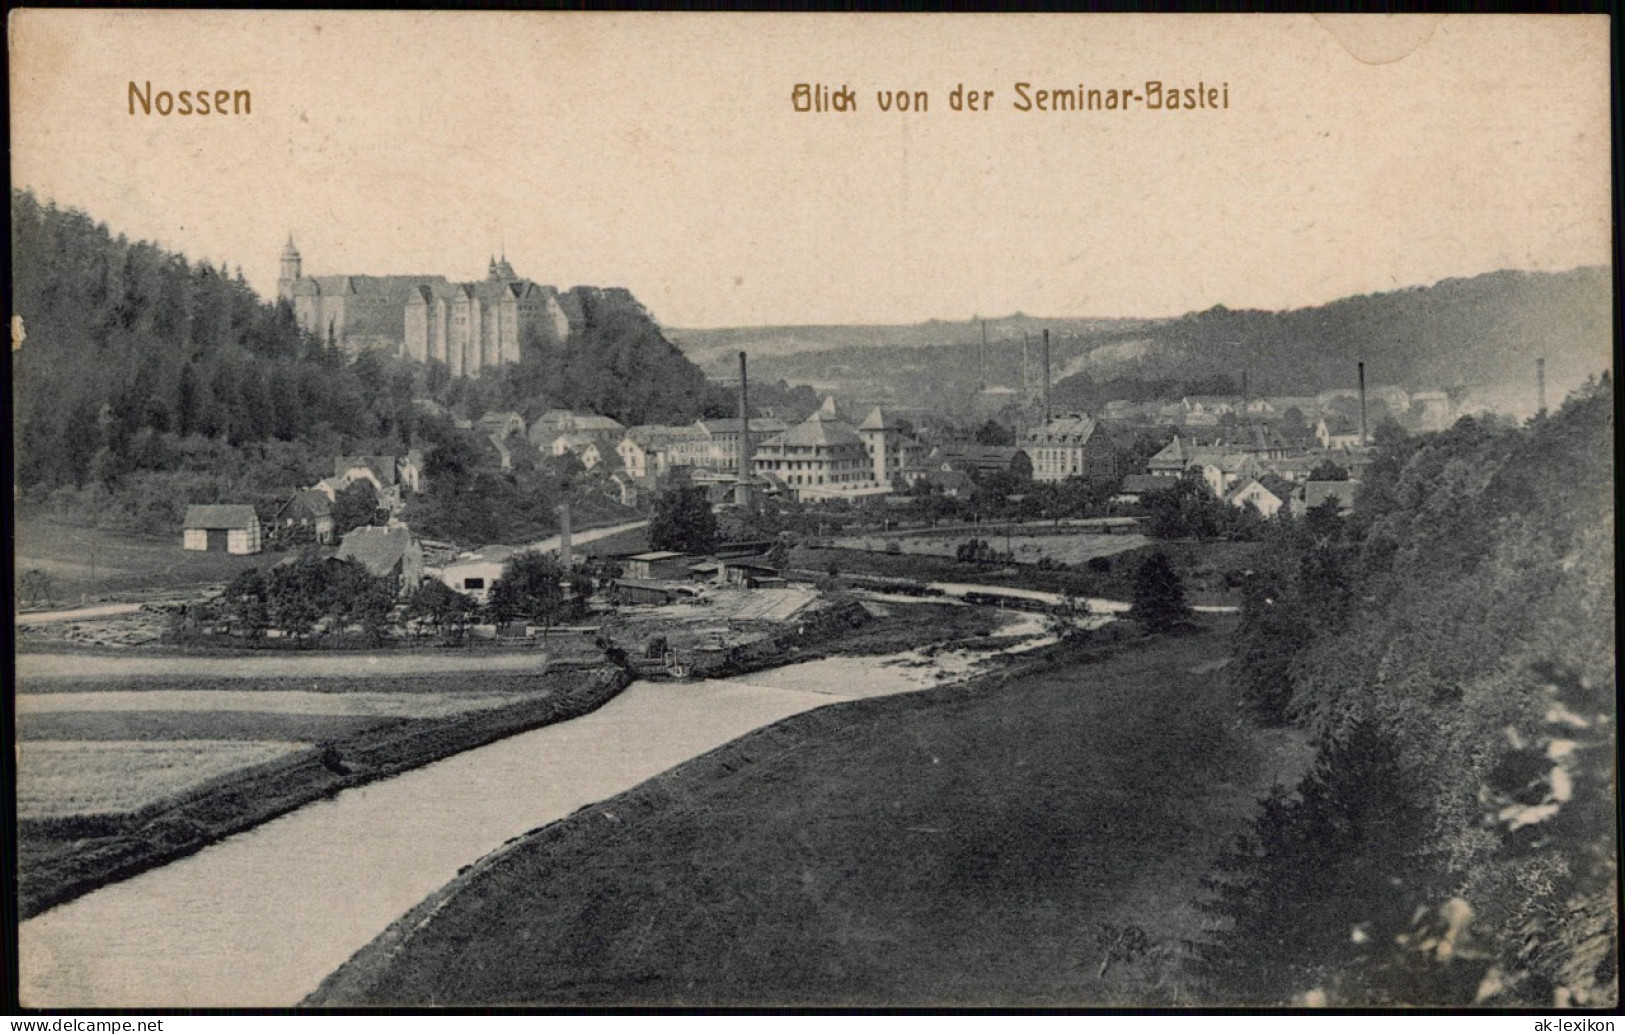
<point x="659" y="564"/>
<point x="221" y="528"/>
<point x="642" y="590"/>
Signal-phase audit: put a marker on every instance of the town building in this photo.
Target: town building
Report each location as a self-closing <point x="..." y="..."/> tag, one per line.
<point x="821" y="457"/>
<point x="1252" y="492"/>
<point x="1070" y="446"/>
<point x="474" y="572"/>
<point x="1315" y="493"/>
<point x="1337" y="432"/>
<point x="307" y="516"/>
<point x="392" y="553"/>
<point x="722" y="439"/>
<point x="892" y="453"/>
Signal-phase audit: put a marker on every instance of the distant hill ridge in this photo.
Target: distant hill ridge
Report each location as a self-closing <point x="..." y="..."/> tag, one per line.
<point x="1485" y="329"/>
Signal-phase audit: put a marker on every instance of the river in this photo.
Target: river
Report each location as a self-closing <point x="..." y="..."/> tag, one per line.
<point x="259" y="919"/>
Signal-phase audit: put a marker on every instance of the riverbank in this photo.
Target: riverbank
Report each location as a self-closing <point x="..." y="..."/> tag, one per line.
<point x="988" y="842"/>
<point x="1209" y="570"/>
<point x="63" y="857"/>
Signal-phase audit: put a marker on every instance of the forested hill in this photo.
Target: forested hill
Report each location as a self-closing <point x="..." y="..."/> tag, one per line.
<point x="144" y="374"/>
<point x="1480" y="331"/>
<point x="1484" y="330"/>
<point x="1452" y="646"/>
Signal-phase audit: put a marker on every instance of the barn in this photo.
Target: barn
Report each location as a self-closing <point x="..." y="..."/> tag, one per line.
<point x="221" y="528"/>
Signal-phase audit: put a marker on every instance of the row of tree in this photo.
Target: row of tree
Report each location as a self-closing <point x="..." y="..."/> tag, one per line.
<point x="313" y="595"/>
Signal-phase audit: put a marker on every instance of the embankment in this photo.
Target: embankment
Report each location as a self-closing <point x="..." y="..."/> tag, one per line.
<point x="964" y="844"/>
<point x="63" y="858"/>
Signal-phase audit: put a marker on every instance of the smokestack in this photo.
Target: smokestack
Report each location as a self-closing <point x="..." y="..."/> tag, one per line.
<point x="742" y="489"/>
<point x="1540" y="386"/>
<point x="1046" y="375"/>
<point x="981" y="361"/>
<point x="564" y="535"/>
<point x="1362" y="404"/>
<point x="1026" y="381"/>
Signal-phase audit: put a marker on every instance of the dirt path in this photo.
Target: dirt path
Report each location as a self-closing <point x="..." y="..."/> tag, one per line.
<point x="108" y="610"/>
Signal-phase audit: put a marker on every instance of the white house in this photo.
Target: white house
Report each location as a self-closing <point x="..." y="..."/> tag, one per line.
<point x="221" y="529"/>
<point x="1251" y="491"/>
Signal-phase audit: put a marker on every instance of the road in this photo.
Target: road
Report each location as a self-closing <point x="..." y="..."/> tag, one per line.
<point x="106" y="610"/>
<point x="552" y="543"/>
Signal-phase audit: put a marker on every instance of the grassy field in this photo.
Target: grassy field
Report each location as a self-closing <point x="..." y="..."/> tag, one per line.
<point x="986" y="844"/>
<point x="121" y="777"/>
<point x="86" y="564"/>
<point x="119" y="774"/>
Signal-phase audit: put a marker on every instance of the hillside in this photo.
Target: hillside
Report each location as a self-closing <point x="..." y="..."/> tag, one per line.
<point x="715" y="349"/>
<point x="1452" y="648"/>
<point x="147" y="381"/>
<point x="1483" y="331"/>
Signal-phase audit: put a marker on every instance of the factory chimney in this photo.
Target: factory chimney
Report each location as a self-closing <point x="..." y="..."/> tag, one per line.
<point x="1362" y="404"/>
<point x="742" y="487"/>
<point x="564" y="535"/>
<point x="1046" y="376"/>
<point x="1026" y="381"/>
<point x="981" y="362"/>
<point x="1540" y="386"/>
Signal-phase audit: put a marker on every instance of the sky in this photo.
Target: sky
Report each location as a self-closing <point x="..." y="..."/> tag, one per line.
<point x="662" y="153"/>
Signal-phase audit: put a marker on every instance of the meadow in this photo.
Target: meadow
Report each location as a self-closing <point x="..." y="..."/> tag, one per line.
<point x="116" y="774"/>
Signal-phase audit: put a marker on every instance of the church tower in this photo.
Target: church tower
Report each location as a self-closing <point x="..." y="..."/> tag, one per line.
<point x="290" y="271"/>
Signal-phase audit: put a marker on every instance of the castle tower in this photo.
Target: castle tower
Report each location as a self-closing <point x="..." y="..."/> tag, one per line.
<point x="290" y="271"/>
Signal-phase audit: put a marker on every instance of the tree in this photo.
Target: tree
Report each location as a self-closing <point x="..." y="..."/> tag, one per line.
<point x="1159" y="596"/>
<point x="36" y="586"/>
<point x="529" y="588"/>
<point x="683" y="522"/>
<point x="354" y="507"/>
<point x="1326" y="470"/>
<point x="436" y="603"/>
<point x="244" y="603"/>
<point x="994" y="433"/>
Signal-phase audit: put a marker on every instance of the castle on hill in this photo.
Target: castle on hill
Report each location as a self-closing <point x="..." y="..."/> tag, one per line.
<point x="470" y="327"/>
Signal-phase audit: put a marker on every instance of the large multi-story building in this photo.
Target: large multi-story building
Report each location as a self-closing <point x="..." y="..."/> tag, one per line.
<point x="470" y="327"/>
<point x="826" y="457"/>
<point x="1069" y="446"/>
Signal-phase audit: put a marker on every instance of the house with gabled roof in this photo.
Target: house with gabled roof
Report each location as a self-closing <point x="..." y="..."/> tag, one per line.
<point x="221" y="528"/>
<point x="1315" y="493"/>
<point x="307" y="516"/>
<point x="391" y="552"/>
<point x="1252" y="492"/>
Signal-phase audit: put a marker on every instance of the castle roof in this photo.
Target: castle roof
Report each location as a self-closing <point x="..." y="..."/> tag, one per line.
<point x="290" y="252"/>
<point x="392" y="288"/>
